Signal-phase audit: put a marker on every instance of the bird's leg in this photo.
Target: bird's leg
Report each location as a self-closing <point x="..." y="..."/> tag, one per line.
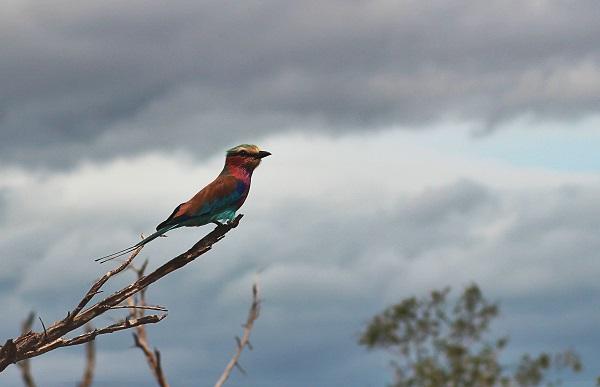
<point x="217" y="223"/>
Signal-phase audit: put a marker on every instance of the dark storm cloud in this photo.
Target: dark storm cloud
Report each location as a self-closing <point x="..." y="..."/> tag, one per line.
<point x="98" y="78"/>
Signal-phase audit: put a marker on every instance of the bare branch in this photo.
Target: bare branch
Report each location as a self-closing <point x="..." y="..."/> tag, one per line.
<point x="244" y="341"/>
<point x="144" y="307"/>
<point x="95" y="289"/>
<point x="33" y="344"/>
<point x="140" y="337"/>
<point x="153" y="358"/>
<point x="88" y="336"/>
<point x="90" y="360"/>
<point x="25" y="365"/>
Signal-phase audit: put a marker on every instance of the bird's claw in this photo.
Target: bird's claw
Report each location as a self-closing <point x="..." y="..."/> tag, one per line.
<point x="230" y="222"/>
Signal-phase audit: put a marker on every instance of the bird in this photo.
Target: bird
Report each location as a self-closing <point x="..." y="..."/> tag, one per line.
<point x="215" y="203"/>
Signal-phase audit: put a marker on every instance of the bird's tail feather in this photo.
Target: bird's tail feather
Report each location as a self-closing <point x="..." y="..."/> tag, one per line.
<point x="130" y="249"/>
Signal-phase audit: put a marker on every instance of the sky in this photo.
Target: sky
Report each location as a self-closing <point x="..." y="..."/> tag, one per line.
<point x="416" y="145"/>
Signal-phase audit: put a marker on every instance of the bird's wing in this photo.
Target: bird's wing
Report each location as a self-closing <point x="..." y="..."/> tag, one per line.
<point x="223" y="192"/>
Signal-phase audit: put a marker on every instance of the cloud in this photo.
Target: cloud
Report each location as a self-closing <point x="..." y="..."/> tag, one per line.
<point x="332" y="242"/>
<point x="95" y="79"/>
<point x="2" y="204"/>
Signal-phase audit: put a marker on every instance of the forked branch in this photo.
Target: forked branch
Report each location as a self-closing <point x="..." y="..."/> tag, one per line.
<point x="25" y="365"/>
<point x="90" y="360"/>
<point x="245" y="340"/>
<point x="31" y="344"/>
<point x="138" y="307"/>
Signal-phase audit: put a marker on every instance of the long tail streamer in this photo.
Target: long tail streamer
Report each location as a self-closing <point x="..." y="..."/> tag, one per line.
<point x="130" y="249"/>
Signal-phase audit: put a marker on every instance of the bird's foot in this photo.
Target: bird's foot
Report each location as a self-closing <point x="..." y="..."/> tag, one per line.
<point x="229" y="222"/>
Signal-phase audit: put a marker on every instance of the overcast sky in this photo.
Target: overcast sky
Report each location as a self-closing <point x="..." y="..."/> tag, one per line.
<point x="415" y="145"/>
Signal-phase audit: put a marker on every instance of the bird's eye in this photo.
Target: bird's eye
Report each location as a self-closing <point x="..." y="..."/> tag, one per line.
<point x="243" y="153"/>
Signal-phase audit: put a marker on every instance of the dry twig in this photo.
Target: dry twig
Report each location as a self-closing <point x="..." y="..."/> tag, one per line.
<point x="90" y="360"/>
<point x="25" y="365"/>
<point x="245" y="340"/>
<point x="33" y="344"/>
<point x="140" y="337"/>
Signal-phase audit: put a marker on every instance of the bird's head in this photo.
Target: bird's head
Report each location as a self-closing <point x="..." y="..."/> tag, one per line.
<point x="246" y="156"/>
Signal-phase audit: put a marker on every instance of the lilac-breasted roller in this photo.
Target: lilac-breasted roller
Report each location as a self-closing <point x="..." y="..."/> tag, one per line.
<point x="216" y="202"/>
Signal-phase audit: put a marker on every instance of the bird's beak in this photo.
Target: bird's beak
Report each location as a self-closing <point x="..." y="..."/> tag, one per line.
<point x="263" y="154"/>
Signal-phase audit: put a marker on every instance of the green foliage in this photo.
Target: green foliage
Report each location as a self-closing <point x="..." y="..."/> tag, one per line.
<point x="437" y="344"/>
